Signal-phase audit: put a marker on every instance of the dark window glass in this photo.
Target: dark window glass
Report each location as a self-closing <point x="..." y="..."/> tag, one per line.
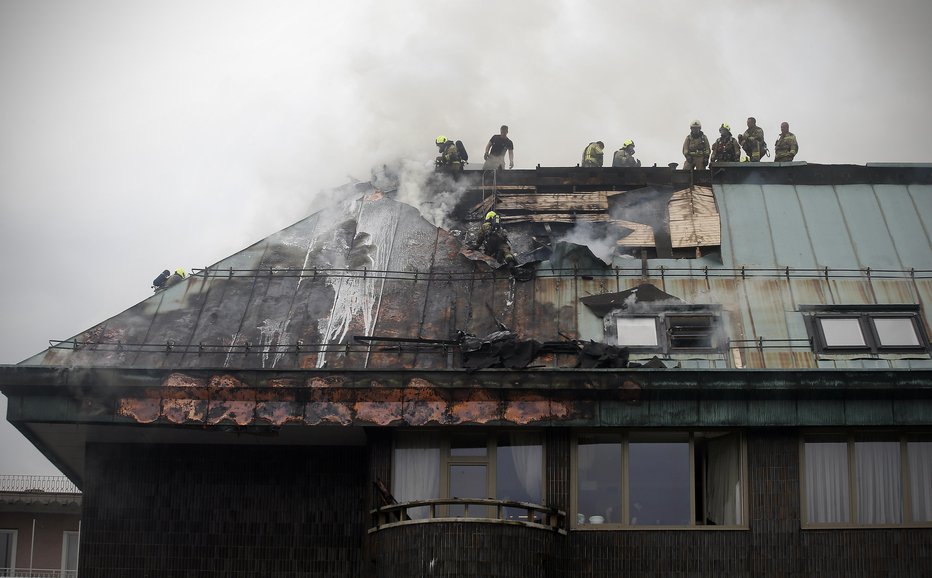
<point x="659" y="483"/>
<point x="690" y="331"/>
<point x="468" y="481"/>
<point x="519" y="472"/>
<point x="599" y="481"/>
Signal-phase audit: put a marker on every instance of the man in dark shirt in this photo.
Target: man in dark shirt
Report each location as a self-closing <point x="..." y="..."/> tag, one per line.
<point x="495" y="151"/>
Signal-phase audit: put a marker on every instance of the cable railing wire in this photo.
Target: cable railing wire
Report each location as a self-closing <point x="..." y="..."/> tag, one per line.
<point x="653" y="272"/>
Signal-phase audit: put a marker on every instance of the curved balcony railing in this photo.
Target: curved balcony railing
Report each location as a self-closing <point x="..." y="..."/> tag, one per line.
<point x="482" y="510"/>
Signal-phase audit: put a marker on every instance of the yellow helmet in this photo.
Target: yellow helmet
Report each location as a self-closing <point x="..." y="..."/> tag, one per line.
<point x="725" y="127"/>
<point x="627" y="143"/>
<point x="441" y="139"/>
<point x="180" y="272"/>
<point x="491" y="215"/>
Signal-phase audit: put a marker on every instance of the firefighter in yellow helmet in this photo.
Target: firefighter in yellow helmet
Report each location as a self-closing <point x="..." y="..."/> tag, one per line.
<point x="725" y="149"/>
<point x="449" y="159"/>
<point x="495" y="240"/>
<point x="175" y="278"/>
<point x="624" y="157"/>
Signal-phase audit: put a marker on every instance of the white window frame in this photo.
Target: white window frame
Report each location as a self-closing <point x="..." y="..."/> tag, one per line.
<point x="624" y="438"/>
<point x="850" y="438"/>
<point x="489" y="460"/>
<point x="667" y="333"/>
<point x="865" y="315"/>
<point x="65" y="571"/>
<point x="13" y="546"/>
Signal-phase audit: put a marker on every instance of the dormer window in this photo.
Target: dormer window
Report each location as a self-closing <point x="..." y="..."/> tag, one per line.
<point x="681" y="329"/>
<point x="867" y="329"/>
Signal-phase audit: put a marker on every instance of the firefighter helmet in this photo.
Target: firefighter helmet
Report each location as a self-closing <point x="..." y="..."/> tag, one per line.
<point x="441" y="139"/>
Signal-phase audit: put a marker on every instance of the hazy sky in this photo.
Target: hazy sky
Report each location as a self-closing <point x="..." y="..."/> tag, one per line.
<point x="138" y="136"/>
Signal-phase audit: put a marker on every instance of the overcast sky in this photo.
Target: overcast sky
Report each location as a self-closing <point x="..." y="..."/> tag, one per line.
<point x="137" y="136"/>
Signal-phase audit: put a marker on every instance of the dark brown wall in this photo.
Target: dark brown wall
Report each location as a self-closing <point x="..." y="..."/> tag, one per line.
<point x="222" y="511"/>
<point x="773" y="546"/>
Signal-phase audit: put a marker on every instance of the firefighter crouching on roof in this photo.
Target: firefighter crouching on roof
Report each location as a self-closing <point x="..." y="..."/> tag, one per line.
<point x="449" y="158"/>
<point x="624" y="157"/>
<point x="592" y="156"/>
<point x="696" y="148"/>
<point x="752" y="141"/>
<point x="493" y="236"/>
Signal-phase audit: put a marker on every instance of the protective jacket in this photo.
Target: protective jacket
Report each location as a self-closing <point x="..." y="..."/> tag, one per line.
<point x="592" y="156"/>
<point x="726" y="150"/>
<point x="696" y="150"/>
<point x="752" y="141"/>
<point x="449" y="157"/>
<point x="623" y="158"/>
<point x="786" y="148"/>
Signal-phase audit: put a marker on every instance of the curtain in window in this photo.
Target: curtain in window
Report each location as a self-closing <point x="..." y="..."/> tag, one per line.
<point x="879" y="487"/>
<point x="920" y="480"/>
<point x="416" y="472"/>
<point x="527" y="454"/>
<point x="827" y="482"/>
<point x="723" y="481"/>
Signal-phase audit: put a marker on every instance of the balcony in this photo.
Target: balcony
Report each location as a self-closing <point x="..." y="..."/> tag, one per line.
<point x="36" y="573"/>
<point x="37" y="485"/>
<point x="481" y="510"/>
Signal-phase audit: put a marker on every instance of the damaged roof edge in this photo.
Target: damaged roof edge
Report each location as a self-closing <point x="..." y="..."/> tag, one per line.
<point x="18" y="379"/>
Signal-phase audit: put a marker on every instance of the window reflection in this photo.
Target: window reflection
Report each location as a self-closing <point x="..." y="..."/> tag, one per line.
<point x="599" y="480"/>
<point x="842" y="332"/>
<point x="659" y="483"/>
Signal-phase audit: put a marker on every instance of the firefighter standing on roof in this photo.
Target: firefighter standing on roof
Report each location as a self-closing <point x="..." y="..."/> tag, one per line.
<point x="592" y="156"/>
<point x="449" y="157"/>
<point x="752" y="141"/>
<point x="786" y="147"/>
<point x="726" y="149"/>
<point x="696" y="148"/>
<point x="493" y="236"/>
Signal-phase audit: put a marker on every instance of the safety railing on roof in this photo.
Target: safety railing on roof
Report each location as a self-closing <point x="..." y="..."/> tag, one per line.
<point x="37" y="573"/>
<point x="48" y="484"/>
<point x="401" y="345"/>
<point x="468" y="510"/>
<point x="644" y="272"/>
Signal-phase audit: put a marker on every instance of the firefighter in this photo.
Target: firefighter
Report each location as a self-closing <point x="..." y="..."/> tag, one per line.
<point x="726" y="148"/>
<point x="752" y="141"/>
<point x="159" y="282"/>
<point x="786" y="146"/>
<point x="696" y="148"/>
<point x="592" y="156"/>
<point x="495" y="239"/>
<point x="449" y="158"/>
<point x="624" y="157"/>
<point x="175" y="278"/>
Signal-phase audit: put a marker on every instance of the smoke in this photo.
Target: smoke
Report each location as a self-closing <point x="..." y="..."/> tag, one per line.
<point x="601" y="240"/>
<point x="417" y="186"/>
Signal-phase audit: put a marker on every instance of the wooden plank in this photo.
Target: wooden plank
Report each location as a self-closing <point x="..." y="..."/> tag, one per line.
<point x="556" y="218"/>
<point x="694" y="220"/>
<point x="643" y="235"/>
<point x="552" y="202"/>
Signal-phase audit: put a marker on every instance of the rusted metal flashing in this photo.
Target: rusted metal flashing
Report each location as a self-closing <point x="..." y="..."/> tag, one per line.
<point x="444" y="398"/>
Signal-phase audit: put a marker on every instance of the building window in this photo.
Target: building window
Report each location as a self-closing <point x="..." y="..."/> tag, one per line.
<point x="7" y="552"/>
<point x="504" y="466"/>
<point x="859" y="479"/>
<point x="853" y="329"/>
<point x="665" y="332"/>
<point x="658" y="479"/>
<point x="69" y="554"/>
